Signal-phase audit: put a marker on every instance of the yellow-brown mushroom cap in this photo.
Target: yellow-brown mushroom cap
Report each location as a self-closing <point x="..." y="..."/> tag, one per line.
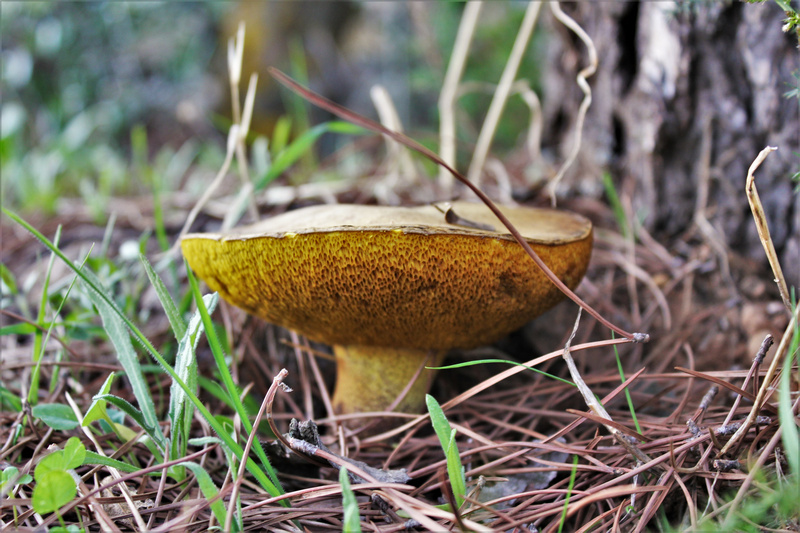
<point x="394" y="276"/>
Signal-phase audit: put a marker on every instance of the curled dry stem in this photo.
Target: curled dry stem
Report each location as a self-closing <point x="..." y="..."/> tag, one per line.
<point x="364" y="122"/>
<point x="399" y="158"/>
<point x="581" y="79"/>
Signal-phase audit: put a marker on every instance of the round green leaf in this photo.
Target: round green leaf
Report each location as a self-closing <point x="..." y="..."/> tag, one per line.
<point x="54" y="489"/>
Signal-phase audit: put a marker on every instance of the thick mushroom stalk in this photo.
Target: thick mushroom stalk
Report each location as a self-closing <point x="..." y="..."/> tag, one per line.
<point x="393" y="284"/>
<point x="370" y="378"/>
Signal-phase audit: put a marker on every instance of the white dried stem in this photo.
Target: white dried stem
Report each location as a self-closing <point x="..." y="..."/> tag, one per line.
<point x="235" y="56"/>
<point x="500" y="97"/>
<point x="762" y="227"/>
<point x="449" y="93"/>
<point x="246" y="193"/>
<point x="581" y="79"/>
<point x="529" y="97"/>
<point x="236" y="141"/>
<point x="593" y="403"/>
<point x="711" y="234"/>
<point x="502" y="180"/>
<point x="399" y="156"/>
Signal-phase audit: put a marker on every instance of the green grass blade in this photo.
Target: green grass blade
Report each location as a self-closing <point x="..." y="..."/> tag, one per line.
<point x="503" y="361"/>
<point x="180" y="411"/>
<point x="94" y="458"/>
<point x="211" y="493"/>
<point x="447" y="437"/>
<point x="154" y="432"/>
<point x="631" y="407"/>
<point x="289" y="155"/>
<point x="129" y="359"/>
<point x="616" y="205"/>
<point x="262" y="478"/>
<point x="38" y="337"/>
<point x="227" y="379"/>
<point x="789" y="430"/>
<point x="352" y="518"/>
<point x="173" y="314"/>
<point x="97" y="409"/>
<point x="9" y="400"/>
<point x="572" y="476"/>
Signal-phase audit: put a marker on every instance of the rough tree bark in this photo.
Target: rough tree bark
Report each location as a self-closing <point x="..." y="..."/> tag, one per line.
<point x="683" y="101"/>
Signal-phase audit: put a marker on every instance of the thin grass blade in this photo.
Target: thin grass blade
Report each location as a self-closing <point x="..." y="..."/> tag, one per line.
<point x="176" y="321"/>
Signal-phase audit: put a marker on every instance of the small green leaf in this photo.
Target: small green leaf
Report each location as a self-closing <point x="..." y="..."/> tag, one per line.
<point x="56" y="415"/>
<point x="49" y="463"/>
<point x="74" y="453"/>
<point x="72" y="528"/>
<point x="97" y="411"/>
<point x="11" y="477"/>
<point x="53" y="489"/>
<point x="9" y="400"/>
<point x="18" y="329"/>
<point x="352" y="518"/>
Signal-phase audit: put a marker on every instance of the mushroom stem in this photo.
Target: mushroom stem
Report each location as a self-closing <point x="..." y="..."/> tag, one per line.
<point x="369" y="378"/>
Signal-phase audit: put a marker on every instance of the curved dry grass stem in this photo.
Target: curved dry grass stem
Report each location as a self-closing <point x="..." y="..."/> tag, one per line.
<point x="265" y="410"/>
<point x="449" y="92"/>
<point x="581" y="79"/>
<point x="500" y="97"/>
<point x="209" y="192"/>
<point x="762" y="227"/>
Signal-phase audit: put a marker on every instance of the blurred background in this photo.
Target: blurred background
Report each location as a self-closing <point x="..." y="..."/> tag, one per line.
<point x="104" y="100"/>
<point x="81" y="79"/>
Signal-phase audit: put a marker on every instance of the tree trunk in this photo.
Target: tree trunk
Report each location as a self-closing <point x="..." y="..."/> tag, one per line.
<point x="684" y="99"/>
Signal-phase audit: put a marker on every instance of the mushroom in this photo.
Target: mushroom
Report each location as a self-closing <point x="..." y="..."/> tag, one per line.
<point x="393" y="288"/>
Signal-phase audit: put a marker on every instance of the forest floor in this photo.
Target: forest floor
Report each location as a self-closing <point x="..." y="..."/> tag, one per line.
<point x="533" y="456"/>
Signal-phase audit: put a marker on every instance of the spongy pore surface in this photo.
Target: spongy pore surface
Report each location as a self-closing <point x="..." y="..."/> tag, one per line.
<point x="409" y="286"/>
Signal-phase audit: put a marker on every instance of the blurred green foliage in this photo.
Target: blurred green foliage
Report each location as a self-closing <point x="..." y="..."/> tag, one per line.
<point x="77" y="76"/>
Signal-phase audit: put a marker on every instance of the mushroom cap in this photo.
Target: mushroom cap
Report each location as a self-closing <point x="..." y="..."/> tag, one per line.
<point x="399" y="277"/>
